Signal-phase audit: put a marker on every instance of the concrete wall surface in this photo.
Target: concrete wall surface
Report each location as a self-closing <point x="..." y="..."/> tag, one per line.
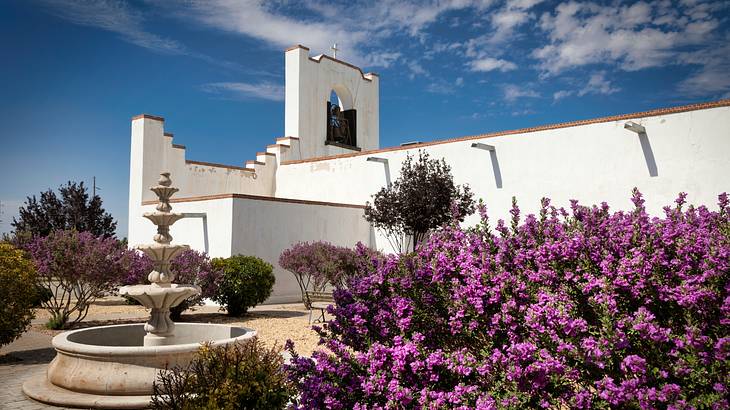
<point x="680" y="152"/>
<point x="260" y="227"/>
<point x="309" y="82"/>
<point x="266" y="228"/>
<point x="282" y="199"/>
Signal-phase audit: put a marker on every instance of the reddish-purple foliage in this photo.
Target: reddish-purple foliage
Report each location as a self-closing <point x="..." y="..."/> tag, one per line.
<point x="190" y="267"/>
<point x="588" y="309"/>
<point x="193" y="267"/>
<point x="318" y="264"/>
<point x="138" y="266"/>
<point x="77" y="267"/>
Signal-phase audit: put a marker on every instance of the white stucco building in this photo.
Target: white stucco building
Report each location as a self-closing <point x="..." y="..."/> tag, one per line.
<point x="309" y="185"/>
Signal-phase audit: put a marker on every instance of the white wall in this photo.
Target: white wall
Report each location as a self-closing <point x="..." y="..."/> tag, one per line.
<point x="309" y="83"/>
<point x="685" y="151"/>
<point x="208" y="230"/>
<point x="153" y="152"/>
<point x="265" y="228"/>
<point x="591" y="163"/>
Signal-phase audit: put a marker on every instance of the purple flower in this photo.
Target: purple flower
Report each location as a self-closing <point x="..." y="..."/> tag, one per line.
<point x="579" y="308"/>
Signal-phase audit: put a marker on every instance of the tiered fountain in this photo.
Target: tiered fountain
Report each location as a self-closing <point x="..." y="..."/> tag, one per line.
<point x="161" y="294"/>
<point x="115" y="366"/>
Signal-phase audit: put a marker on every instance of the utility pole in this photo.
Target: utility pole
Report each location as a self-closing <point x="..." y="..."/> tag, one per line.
<point x="94" y="188"/>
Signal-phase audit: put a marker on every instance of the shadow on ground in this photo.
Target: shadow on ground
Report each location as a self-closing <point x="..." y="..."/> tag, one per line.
<point x="192" y="317"/>
<point x="223" y="318"/>
<point x="35" y="356"/>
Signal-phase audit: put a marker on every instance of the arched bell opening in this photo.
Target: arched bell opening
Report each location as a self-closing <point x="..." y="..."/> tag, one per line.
<point x="341" y="118"/>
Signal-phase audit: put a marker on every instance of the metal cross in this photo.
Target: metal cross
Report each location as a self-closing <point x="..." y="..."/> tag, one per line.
<point x="334" y="50"/>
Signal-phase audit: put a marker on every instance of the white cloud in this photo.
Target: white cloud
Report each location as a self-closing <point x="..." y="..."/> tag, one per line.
<point x="265" y="90"/>
<point x="512" y="92"/>
<point x="382" y="59"/>
<point x="628" y="36"/>
<point x="598" y="84"/>
<point x="504" y="23"/>
<point x="254" y="19"/>
<point x="489" y="64"/>
<point x="115" y="16"/>
<point x="712" y="76"/>
<point x="559" y="95"/>
<point x="513" y="14"/>
<point x="444" y="87"/>
<point x="118" y="17"/>
<point x="416" y="70"/>
<point x="359" y="34"/>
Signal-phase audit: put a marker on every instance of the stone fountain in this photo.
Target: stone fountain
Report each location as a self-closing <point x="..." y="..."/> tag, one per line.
<point x="116" y="366"/>
<point x="161" y="294"/>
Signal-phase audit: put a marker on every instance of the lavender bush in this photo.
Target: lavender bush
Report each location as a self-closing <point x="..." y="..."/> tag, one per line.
<point x="318" y="264"/>
<point x="580" y="309"/>
<point x="193" y="267"/>
<point x="76" y="267"/>
<point x="137" y="267"/>
<point x="190" y="267"/>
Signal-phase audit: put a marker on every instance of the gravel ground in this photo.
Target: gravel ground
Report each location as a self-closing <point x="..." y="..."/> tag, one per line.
<point x="274" y="323"/>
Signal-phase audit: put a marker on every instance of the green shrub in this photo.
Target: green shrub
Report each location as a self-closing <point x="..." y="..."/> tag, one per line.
<point x="238" y="376"/>
<point x="247" y="281"/>
<point x="42" y="295"/>
<point x="17" y="291"/>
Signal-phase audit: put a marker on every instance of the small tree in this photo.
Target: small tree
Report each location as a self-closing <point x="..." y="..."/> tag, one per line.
<point x="420" y="200"/>
<point x="72" y="210"/>
<point x="76" y="267"/>
<point x="17" y="276"/>
<point x="318" y="264"/>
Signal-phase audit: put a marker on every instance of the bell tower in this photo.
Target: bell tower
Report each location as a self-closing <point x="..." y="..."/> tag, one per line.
<point x="326" y="126"/>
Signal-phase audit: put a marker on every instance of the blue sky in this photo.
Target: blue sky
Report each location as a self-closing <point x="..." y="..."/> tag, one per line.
<point x="74" y="72"/>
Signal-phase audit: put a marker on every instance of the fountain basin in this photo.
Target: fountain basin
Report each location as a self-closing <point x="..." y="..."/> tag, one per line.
<point x="109" y="366"/>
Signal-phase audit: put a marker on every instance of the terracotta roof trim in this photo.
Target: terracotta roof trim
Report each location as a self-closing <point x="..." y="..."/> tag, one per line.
<point x="296" y="47"/>
<point x="319" y="58"/>
<point x="149" y="117"/>
<point x="257" y="198"/>
<point x="620" y="117"/>
<point x="214" y="165"/>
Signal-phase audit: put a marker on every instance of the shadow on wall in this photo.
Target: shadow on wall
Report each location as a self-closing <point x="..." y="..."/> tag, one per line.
<point x="204" y="218"/>
<point x="495" y="169"/>
<point x="386" y="166"/>
<point x="493" y="158"/>
<point x="648" y="154"/>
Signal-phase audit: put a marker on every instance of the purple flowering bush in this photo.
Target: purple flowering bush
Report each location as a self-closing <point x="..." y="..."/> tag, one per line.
<point x="137" y="267"/>
<point x="190" y="267"/>
<point x="320" y="264"/>
<point x="76" y="268"/>
<point x="193" y="267"/>
<point x="580" y="309"/>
